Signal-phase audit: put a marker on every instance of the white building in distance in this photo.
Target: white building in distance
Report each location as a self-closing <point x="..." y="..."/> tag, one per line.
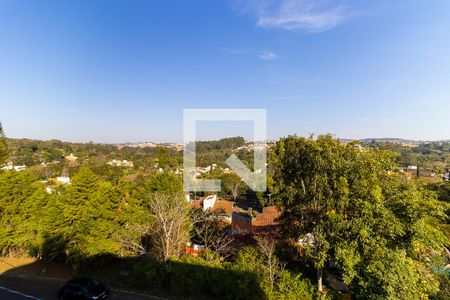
<point x="121" y="163"/>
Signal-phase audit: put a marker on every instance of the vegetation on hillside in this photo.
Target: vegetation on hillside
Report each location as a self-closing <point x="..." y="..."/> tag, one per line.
<point x="346" y="215"/>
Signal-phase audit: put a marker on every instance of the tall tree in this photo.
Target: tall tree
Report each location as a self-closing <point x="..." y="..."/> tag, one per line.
<point x="232" y="184"/>
<point x="3" y="147"/>
<point x="373" y="225"/>
<point x="89" y="216"/>
<point x="170" y="225"/>
<point x="20" y="198"/>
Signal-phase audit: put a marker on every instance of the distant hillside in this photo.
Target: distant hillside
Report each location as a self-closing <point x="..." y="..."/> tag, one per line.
<point x="394" y="141"/>
<point x="391" y="140"/>
<point x="220" y="145"/>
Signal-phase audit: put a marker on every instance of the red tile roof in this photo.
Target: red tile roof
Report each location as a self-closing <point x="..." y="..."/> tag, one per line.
<point x="225" y="206"/>
<point x="220" y="206"/>
<point x="241" y="223"/>
<point x="197" y="203"/>
<point x="267" y="217"/>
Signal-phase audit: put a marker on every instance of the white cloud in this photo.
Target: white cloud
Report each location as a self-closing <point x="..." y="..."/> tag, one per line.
<point x="263" y="55"/>
<point x="296" y="15"/>
<point x="268" y="55"/>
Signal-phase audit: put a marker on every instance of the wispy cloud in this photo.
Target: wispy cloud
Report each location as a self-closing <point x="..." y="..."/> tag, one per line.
<point x="261" y="54"/>
<point x="268" y="55"/>
<point x="296" y="15"/>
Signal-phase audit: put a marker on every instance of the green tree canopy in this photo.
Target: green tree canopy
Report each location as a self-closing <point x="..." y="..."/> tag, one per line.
<point x="20" y="198"/>
<point x="164" y="183"/>
<point x="89" y="219"/>
<point x="374" y="226"/>
<point x="232" y="185"/>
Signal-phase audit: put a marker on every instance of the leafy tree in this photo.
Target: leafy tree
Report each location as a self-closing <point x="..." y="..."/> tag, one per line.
<point x="276" y="281"/>
<point x="166" y="158"/>
<point x="232" y="185"/>
<point x="24" y="156"/>
<point x="164" y="183"/>
<point x="375" y="226"/>
<point x="132" y="218"/>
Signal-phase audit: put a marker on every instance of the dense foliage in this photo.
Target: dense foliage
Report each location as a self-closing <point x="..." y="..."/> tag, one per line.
<point x="346" y="209"/>
<point x="434" y="155"/>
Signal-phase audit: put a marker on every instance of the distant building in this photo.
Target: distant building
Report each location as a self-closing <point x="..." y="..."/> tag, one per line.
<point x="121" y="163"/>
<point x="62" y="180"/>
<point x="194" y="249"/>
<point x="71" y="158"/>
<point x="252" y="146"/>
<point x="411" y="169"/>
<point x="10" y="166"/>
<point x="200" y="170"/>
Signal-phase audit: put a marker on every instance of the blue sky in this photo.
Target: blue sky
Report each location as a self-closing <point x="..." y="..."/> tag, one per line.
<point x="119" y="71"/>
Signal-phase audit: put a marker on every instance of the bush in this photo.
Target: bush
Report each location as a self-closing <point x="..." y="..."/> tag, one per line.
<point x="147" y="273"/>
<point x="293" y="287"/>
<point x="195" y="276"/>
<point x="286" y="285"/>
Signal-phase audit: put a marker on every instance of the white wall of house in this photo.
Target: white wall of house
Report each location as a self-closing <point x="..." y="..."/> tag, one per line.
<point x="63" y="180"/>
<point x="209" y="202"/>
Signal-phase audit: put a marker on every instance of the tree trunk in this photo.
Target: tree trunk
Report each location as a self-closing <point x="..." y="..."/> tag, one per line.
<point x="319" y="280"/>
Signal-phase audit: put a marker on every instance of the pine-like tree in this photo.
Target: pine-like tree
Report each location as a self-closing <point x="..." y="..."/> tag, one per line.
<point x="89" y="206"/>
<point x="3" y="147"/>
